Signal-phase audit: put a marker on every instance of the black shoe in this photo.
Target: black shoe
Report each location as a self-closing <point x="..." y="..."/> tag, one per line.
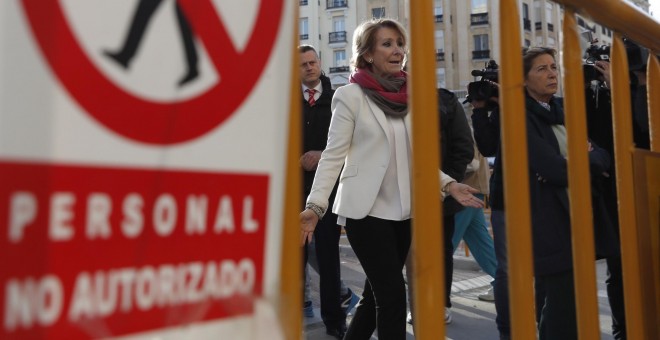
<point x="336" y="332"/>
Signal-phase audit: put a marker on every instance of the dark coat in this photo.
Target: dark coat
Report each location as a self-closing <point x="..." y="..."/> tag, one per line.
<point x="486" y="127"/>
<point x="457" y="148"/>
<point x="551" y="232"/>
<point x="315" y="126"/>
<point x="604" y="197"/>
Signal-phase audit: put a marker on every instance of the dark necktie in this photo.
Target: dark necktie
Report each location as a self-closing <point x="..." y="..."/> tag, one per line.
<point x="311" y="99"/>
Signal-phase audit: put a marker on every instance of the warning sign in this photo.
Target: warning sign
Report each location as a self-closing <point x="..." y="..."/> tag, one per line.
<point x="124" y="243"/>
<point x="140" y="175"/>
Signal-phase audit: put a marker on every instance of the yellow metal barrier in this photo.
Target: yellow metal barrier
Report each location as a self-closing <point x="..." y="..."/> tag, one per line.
<point x="582" y="235"/>
<point x="622" y="17"/>
<point x="514" y="153"/>
<point x="625" y="19"/>
<point x="427" y="222"/>
<point x="290" y="297"/>
<point x="623" y="144"/>
<point x="653" y="88"/>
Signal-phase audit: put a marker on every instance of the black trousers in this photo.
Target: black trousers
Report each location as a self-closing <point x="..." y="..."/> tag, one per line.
<point x="448" y="222"/>
<point x="382" y="247"/>
<point x="558" y="317"/>
<point x="614" y="284"/>
<point x="326" y="236"/>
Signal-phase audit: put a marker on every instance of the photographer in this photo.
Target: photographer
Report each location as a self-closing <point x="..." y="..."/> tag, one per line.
<point x="486" y="125"/>
<point x="604" y="202"/>
<point x="599" y="126"/>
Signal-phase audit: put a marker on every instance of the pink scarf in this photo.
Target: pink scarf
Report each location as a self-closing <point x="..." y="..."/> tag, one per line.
<point x="390" y="94"/>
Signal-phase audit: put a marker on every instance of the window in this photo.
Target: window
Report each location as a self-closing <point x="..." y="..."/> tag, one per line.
<point x="481" y="42"/>
<point x="551" y="42"/>
<point x="528" y="43"/>
<point x="437" y="10"/>
<point x="537" y="11"/>
<point x="340" y="58"/>
<point x="440" y="75"/>
<point x="548" y="12"/>
<point x="378" y="12"/>
<point x="304" y="29"/>
<point x="336" y="4"/>
<point x="539" y="41"/>
<point x="440" y="41"/>
<point x="525" y="11"/>
<point x="479" y="6"/>
<point x="338" y="24"/>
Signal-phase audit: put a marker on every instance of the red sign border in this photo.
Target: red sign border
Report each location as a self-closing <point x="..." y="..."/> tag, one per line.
<point x="149" y="121"/>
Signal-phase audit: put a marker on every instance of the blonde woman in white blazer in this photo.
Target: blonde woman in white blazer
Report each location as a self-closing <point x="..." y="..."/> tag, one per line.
<point x="369" y="137"/>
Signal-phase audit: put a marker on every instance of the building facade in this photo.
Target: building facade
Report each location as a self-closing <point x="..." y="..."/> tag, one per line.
<point x="466" y="32"/>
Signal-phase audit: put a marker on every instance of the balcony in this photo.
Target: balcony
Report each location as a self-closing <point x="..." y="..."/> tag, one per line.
<point x="438" y="18"/>
<point x="538" y="25"/>
<point x="527" y="24"/>
<point x="439" y="56"/>
<point x="340" y="69"/>
<point x="478" y="19"/>
<point x="332" y="4"/>
<point x="337" y="37"/>
<point x="551" y="27"/>
<point x="482" y="54"/>
<point x="304" y="36"/>
<point x="303" y="2"/>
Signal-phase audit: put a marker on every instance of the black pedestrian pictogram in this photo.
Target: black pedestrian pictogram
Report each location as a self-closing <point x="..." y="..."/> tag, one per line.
<point x="143" y="15"/>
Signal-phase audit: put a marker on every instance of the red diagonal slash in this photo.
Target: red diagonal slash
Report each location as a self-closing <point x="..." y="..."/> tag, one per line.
<point x="150" y="121"/>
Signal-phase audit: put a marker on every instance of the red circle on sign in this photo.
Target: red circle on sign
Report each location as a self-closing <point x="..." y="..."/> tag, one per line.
<point x="149" y="121"/>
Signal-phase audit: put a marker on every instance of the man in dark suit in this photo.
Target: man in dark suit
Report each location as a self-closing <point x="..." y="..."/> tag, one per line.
<point x="317" y="95"/>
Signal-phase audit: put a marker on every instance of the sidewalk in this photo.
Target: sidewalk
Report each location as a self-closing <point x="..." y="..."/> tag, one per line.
<point x="468" y="279"/>
<point x="472" y="319"/>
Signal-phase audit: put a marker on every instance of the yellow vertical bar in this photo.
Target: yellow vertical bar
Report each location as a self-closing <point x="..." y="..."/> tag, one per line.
<point x="427" y="222"/>
<point x="653" y="88"/>
<point x="516" y="175"/>
<point x="290" y="299"/>
<point x="623" y="147"/>
<point x="582" y="231"/>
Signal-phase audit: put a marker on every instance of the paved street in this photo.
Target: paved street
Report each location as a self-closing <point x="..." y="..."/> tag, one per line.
<point x="472" y="318"/>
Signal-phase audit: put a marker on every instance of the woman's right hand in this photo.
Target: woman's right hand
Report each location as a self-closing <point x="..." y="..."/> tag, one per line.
<point x="463" y="194"/>
<point x="308" y="220"/>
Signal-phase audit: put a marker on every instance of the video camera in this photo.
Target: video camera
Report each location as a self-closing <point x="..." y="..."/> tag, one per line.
<point x="636" y="55"/>
<point x="593" y="54"/>
<point x="482" y="89"/>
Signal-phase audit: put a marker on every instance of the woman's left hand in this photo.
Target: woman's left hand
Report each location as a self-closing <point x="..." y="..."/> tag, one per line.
<point x="463" y="194"/>
<point x="308" y="220"/>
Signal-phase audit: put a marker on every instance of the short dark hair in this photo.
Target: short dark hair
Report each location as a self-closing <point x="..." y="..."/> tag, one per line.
<point x="364" y="39"/>
<point x="532" y="53"/>
<point x="306" y="48"/>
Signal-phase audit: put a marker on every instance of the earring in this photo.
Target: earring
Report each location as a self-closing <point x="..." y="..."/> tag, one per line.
<point x="370" y="61"/>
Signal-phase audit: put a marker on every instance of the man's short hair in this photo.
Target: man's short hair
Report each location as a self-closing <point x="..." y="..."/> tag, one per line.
<point x="306" y="48"/>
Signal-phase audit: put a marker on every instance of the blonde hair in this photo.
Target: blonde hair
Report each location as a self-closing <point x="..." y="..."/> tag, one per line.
<point x="364" y="39"/>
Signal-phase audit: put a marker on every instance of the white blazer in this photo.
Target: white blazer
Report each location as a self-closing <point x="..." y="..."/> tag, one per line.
<point x="358" y="140"/>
